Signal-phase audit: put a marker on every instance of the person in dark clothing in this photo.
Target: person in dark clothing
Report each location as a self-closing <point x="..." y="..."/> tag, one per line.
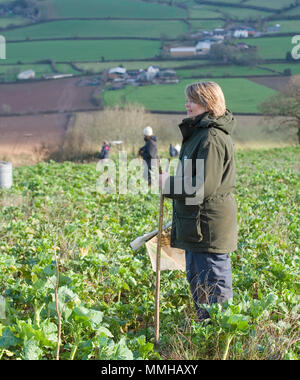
<point x="148" y="152"/>
<point x="105" y="150"/>
<point x="205" y="225"/>
<point x="173" y="151"/>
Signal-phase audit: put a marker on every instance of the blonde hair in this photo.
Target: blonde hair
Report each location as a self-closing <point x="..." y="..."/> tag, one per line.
<point x="209" y="95"/>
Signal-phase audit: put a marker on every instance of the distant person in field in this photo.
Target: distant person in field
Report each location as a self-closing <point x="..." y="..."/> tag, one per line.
<point x="205" y="223"/>
<point x="104" y="156"/>
<point x="174" y="150"/>
<point x="148" y="152"/>
<point x="105" y="150"/>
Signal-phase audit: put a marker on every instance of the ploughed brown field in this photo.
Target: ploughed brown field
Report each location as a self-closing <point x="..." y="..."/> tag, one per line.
<point x="56" y="95"/>
<point x="43" y="112"/>
<point x="25" y="139"/>
<point x="276" y="83"/>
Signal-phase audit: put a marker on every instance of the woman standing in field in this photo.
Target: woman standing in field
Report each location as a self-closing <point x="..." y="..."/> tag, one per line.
<point x="205" y="225"/>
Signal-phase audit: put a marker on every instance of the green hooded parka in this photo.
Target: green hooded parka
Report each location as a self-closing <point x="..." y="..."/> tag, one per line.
<point x="205" y="215"/>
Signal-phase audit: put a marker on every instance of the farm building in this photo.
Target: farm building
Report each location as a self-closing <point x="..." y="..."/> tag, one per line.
<point x="166" y="76"/>
<point x="197" y="35"/>
<point x="132" y="73"/>
<point x="219" y="32"/>
<point x="218" y="38"/>
<point x="151" y="75"/>
<point x="183" y="51"/>
<point x="240" y="33"/>
<point x="203" y="46"/>
<point x="251" y="31"/>
<point x="28" y="74"/>
<point x="56" y="76"/>
<point x="116" y="72"/>
<point x="142" y="76"/>
<point x="241" y="46"/>
<point x="152" y="71"/>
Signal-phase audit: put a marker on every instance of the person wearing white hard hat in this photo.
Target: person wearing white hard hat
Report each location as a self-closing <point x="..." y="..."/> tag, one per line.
<point x="148" y="131"/>
<point x="148" y="152"/>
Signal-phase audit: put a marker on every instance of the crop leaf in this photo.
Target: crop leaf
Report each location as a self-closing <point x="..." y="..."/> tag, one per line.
<point x="66" y="296"/>
<point x="104" y="331"/>
<point x="32" y="350"/>
<point x="8" y="339"/>
<point x="236" y="322"/>
<point x="94" y="317"/>
<point x="49" y="330"/>
<point x="122" y="352"/>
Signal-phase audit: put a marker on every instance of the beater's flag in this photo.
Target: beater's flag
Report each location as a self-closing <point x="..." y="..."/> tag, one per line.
<point x="171" y="258"/>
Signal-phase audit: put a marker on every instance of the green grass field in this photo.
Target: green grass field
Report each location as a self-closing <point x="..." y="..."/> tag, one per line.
<point x="242" y="96"/>
<point x="10" y="72"/>
<point x="14" y="20"/>
<point x="271" y="47"/>
<point x="96" y="28"/>
<point x="278" y="4"/>
<point x="222" y="71"/>
<point x="294" y="67"/>
<point x="237" y="13"/>
<point x="292" y="12"/>
<point x="286" y="26"/>
<point x="81" y="50"/>
<point x="203" y="11"/>
<point x="109" y="8"/>
<point x="206" y="24"/>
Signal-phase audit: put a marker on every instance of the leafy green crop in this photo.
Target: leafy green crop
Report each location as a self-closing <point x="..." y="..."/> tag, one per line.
<point x="106" y="291"/>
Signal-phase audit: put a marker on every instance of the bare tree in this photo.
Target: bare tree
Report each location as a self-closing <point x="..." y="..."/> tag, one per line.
<point x="286" y="103"/>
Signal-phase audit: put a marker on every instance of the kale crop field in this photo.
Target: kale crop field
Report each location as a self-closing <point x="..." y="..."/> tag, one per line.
<point x="54" y="219"/>
<point x="71" y="288"/>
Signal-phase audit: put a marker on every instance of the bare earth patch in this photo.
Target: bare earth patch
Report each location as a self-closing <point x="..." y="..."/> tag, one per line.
<point x="25" y="139"/>
<point x="276" y="83"/>
<point x="58" y="95"/>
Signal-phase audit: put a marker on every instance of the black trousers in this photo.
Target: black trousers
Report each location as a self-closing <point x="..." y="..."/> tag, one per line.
<point x="210" y="279"/>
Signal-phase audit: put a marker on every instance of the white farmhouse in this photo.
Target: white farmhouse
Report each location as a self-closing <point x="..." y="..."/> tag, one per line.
<point x="152" y="71"/>
<point x="28" y="74"/>
<point x="240" y="33"/>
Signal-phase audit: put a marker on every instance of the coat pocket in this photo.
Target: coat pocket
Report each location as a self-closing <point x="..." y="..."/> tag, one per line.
<point x="188" y="229"/>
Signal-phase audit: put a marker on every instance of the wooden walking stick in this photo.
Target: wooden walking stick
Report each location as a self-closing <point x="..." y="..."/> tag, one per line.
<point x="158" y="252"/>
